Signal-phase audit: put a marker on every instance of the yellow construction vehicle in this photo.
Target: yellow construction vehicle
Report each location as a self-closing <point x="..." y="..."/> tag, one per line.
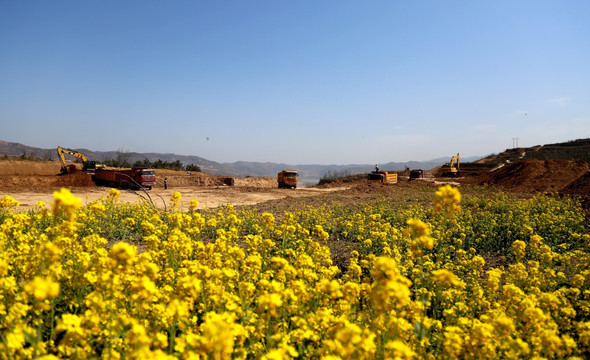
<point x="382" y="177"/>
<point x="450" y="169"/>
<point x="87" y="165"/>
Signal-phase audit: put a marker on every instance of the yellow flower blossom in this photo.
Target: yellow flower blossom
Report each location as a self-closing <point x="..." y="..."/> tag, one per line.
<point x="395" y="280"/>
<point x="114" y="194"/>
<point x="42" y="288"/>
<point x="447" y="198"/>
<point x="123" y="253"/>
<point x="447" y="277"/>
<point x="8" y="201"/>
<point x="65" y="202"/>
<point x="193" y="205"/>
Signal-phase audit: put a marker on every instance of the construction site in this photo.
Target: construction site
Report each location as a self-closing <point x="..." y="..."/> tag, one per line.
<point x="563" y="169"/>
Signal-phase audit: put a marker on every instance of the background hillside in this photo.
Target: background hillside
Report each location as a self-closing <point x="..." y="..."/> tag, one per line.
<point x="308" y="173"/>
<point x="572" y="150"/>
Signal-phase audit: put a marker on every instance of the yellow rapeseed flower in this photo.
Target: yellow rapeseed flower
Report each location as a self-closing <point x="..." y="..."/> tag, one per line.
<point x="193" y="205"/>
<point x="42" y="288"/>
<point x="421" y="233"/>
<point x="175" y="198"/>
<point x="114" y="194"/>
<point x="8" y="201"/>
<point x="65" y="202"/>
<point x="446" y="277"/>
<point x="447" y="198"/>
<point x="397" y="350"/>
<point x="518" y="249"/>
<point x="122" y="253"/>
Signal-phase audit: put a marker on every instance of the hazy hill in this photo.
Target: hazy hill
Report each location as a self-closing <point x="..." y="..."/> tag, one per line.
<point x="571" y="150"/>
<point x="239" y="168"/>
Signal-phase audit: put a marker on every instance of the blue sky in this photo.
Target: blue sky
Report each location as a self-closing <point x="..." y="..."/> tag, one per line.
<point x="298" y="82"/>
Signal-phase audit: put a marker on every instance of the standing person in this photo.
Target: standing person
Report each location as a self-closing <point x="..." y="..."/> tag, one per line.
<point x="165" y="183"/>
<point x="376" y="168"/>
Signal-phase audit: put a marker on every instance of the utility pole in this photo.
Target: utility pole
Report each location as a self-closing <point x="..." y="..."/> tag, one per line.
<point x="514" y="143"/>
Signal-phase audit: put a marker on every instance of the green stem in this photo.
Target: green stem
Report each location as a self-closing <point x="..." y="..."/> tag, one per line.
<point x="172" y="339"/>
<point x="52" y="319"/>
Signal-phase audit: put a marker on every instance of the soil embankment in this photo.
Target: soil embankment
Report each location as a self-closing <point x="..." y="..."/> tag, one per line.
<point x="29" y="182"/>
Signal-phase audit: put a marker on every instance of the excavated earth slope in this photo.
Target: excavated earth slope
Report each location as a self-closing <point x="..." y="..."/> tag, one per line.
<point x="532" y="175"/>
<point x="18" y="176"/>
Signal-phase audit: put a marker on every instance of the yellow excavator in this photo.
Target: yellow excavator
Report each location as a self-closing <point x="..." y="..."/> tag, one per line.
<point x="87" y="165"/>
<point x="450" y="169"/>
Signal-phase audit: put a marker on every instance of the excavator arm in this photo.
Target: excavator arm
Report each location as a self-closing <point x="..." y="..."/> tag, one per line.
<point x="65" y="168"/>
<point x="453" y="159"/>
<point x="62" y="158"/>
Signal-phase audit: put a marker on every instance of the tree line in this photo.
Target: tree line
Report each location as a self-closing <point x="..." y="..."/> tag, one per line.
<point x="122" y="160"/>
<point x="158" y="164"/>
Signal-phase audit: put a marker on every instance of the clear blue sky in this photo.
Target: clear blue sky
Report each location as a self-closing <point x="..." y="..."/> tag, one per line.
<point x="299" y="82"/>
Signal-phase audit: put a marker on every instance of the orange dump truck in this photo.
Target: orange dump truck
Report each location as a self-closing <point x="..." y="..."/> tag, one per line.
<point x="287" y="179"/>
<point x="134" y="178"/>
<point x="382" y="177"/>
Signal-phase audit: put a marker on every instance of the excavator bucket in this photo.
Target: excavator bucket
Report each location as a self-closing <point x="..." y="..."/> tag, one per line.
<point x="68" y="169"/>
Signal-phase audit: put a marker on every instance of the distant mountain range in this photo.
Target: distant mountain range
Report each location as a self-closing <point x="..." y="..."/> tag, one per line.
<point x="308" y="173"/>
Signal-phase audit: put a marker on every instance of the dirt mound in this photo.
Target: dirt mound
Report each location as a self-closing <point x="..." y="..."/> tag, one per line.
<point x="41" y="183"/>
<point x="259" y="182"/>
<point x="580" y="186"/>
<point x="75" y="179"/>
<point x="531" y="175"/>
<point x="184" y="179"/>
<point x="20" y="167"/>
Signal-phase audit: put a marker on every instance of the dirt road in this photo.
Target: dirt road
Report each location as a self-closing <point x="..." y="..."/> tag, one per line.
<point x="208" y="197"/>
<point x="29" y="182"/>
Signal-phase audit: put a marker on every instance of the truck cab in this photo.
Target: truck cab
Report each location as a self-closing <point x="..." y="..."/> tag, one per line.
<point x="146" y="177"/>
<point x="287" y="179"/>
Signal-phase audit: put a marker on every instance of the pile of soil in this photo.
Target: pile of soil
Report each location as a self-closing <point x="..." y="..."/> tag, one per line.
<point x="20" y="167"/>
<point x="257" y="182"/>
<point x="199" y="179"/>
<point x="75" y="179"/>
<point x="580" y="186"/>
<point x="41" y="183"/>
<point x="532" y="175"/>
<point x="39" y="176"/>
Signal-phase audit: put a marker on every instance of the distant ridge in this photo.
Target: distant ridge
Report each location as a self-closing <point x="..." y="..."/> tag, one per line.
<point x="571" y="150"/>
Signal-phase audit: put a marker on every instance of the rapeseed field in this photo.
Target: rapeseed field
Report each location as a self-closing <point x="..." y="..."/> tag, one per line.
<point x="464" y="277"/>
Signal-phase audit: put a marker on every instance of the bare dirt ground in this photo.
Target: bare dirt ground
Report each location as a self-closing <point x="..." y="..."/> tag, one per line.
<point x="30" y="181"/>
<point x="207" y="197"/>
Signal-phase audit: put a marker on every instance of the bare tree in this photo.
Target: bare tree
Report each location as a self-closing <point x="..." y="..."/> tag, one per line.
<point x="122" y="158"/>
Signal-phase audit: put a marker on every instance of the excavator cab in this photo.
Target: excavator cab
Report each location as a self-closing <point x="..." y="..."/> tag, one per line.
<point x="89" y="165"/>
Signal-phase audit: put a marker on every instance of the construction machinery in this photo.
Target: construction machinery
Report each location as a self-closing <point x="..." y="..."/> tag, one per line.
<point x="416" y="174"/>
<point x="382" y="177"/>
<point x="287" y="179"/>
<point x="134" y="178"/>
<point x="450" y="169"/>
<point x="87" y="165"/>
